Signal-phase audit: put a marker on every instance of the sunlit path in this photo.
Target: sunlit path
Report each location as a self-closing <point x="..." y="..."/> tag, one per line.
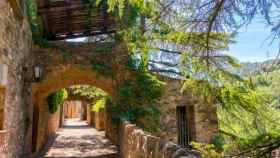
<point x="76" y="139"/>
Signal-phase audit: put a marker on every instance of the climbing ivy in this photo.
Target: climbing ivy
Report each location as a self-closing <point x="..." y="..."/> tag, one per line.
<point x="137" y="101"/>
<point x="146" y="117"/>
<point x="102" y="69"/>
<point x="56" y="99"/>
<point x="144" y="88"/>
<point x="35" y="23"/>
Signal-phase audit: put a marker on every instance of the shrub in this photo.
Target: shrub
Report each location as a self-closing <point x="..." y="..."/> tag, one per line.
<point x="56" y="99"/>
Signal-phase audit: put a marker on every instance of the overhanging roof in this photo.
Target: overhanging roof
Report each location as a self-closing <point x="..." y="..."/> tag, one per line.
<point x="66" y="19"/>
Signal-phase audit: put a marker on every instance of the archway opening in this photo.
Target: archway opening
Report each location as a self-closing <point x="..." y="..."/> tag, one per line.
<point x="75" y="122"/>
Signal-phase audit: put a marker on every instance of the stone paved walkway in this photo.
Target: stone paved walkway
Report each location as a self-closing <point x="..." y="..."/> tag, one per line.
<point x="77" y="140"/>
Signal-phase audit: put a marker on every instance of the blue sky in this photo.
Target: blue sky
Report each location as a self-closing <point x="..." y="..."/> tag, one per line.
<point x="253" y="43"/>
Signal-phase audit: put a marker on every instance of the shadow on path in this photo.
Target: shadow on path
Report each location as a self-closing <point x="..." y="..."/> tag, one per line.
<point x="78" y="140"/>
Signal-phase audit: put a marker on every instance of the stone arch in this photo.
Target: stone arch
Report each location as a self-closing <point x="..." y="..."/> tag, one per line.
<point x="62" y="78"/>
<point x="62" y="70"/>
<point x="68" y="76"/>
<point x="69" y="64"/>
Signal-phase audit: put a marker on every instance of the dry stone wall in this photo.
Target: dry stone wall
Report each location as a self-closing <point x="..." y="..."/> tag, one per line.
<point x="15" y="52"/>
<point x="135" y="143"/>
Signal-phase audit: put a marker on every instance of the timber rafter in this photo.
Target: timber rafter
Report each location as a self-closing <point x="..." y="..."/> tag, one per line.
<point x="66" y="19"/>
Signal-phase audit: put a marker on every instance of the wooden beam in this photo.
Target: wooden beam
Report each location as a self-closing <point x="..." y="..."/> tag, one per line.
<point x="61" y="4"/>
<point x="105" y="17"/>
<point x="68" y="21"/>
<point x="86" y="34"/>
<point x="48" y="32"/>
<point x="73" y="7"/>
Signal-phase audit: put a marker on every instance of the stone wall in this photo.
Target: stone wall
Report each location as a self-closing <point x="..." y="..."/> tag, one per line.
<point x="72" y="109"/>
<point x="89" y="116"/>
<point x="201" y="118"/>
<point x="99" y="120"/>
<point x="134" y="143"/>
<point x="15" y="52"/>
<point x="42" y="125"/>
<point x="3" y="143"/>
<point x="111" y="130"/>
<point x="2" y="103"/>
<point x="54" y="122"/>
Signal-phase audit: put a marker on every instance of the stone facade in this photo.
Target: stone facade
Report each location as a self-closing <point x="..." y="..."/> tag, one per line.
<point x="134" y="143"/>
<point x="15" y="52"/>
<point x="201" y="119"/>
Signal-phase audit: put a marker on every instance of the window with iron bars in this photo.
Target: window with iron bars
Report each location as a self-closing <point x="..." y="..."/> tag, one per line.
<point x="185" y="125"/>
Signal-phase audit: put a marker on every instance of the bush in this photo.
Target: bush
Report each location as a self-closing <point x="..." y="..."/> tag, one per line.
<point x="56" y="99"/>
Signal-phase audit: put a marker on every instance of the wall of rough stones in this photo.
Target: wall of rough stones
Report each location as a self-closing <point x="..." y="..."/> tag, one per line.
<point x="111" y="129"/>
<point x="202" y="119"/>
<point x="135" y="143"/>
<point x="53" y="122"/>
<point x="99" y="120"/>
<point x="15" y="52"/>
<point x="3" y="143"/>
<point x="72" y="109"/>
<point x="90" y="116"/>
<point x="42" y="125"/>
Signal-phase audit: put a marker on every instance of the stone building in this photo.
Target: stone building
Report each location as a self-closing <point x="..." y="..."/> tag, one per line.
<point x="16" y="55"/>
<point x="26" y="124"/>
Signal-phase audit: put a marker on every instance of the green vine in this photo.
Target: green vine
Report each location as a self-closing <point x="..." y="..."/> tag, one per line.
<point x="137" y="101"/>
<point x="102" y="69"/>
<point x="35" y="23"/>
<point x="56" y="99"/>
<point x="145" y="88"/>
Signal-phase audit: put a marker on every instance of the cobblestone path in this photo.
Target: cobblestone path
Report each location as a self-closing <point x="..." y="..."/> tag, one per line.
<point x="77" y="140"/>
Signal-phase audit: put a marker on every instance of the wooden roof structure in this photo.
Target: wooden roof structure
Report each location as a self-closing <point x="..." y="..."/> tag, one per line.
<point x="66" y="19"/>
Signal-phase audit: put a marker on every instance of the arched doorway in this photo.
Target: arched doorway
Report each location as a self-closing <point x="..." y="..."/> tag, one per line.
<point x="54" y="80"/>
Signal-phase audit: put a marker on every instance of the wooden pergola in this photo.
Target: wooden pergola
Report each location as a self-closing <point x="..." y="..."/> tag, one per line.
<point x="66" y="19"/>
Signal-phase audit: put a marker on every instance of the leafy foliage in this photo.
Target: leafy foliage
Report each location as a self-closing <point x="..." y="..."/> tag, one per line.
<point x="248" y="117"/>
<point x="197" y="31"/>
<point x="146" y="117"/>
<point x="35" y="22"/>
<point x="145" y="89"/>
<point x="98" y="98"/>
<point x="206" y="150"/>
<point x="102" y="69"/>
<point x="99" y="104"/>
<point x="89" y="92"/>
<point x="56" y="99"/>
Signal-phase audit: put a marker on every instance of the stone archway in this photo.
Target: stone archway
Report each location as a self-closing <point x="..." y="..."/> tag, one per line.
<point x="62" y="70"/>
<point x="68" y="76"/>
<point x="55" y="80"/>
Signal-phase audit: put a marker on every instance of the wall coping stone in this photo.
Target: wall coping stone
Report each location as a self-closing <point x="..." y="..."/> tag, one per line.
<point x="166" y="149"/>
